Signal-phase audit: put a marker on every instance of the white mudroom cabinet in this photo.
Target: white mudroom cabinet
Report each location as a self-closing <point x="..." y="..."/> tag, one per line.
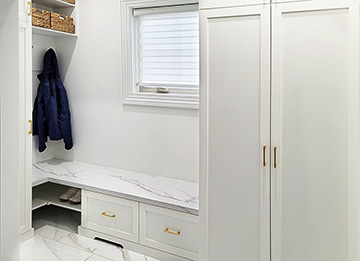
<point x="25" y="99"/>
<point x="280" y="131"/>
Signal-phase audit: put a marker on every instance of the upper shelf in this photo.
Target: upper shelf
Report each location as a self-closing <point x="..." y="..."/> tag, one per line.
<point x="49" y="32"/>
<point x="54" y="3"/>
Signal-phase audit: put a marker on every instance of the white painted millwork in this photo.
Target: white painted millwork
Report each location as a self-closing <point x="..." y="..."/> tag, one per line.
<point x="314" y="104"/>
<point x="9" y="130"/>
<point x="169" y="231"/>
<point x="235" y="125"/>
<point x="110" y="215"/>
<point x="25" y="117"/>
<point x="163" y="233"/>
<point x="206" y="4"/>
<point x="315" y="117"/>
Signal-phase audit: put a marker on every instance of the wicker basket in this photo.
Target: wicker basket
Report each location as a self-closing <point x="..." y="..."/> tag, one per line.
<point x="70" y="1"/>
<point x="40" y="18"/>
<point x="62" y="23"/>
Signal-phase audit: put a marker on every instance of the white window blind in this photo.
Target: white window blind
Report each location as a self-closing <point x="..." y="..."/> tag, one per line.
<point x="168" y="49"/>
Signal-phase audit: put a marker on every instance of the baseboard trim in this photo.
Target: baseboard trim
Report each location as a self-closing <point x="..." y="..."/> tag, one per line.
<point x="26" y="235"/>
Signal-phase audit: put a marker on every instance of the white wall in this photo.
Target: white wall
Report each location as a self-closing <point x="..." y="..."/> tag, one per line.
<point x="161" y="141"/>
<point x="9" y="130"/>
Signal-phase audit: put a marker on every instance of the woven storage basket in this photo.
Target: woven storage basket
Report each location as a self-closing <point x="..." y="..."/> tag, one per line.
<point x="70" y="1"/>
<point x="62" y="23"/>
<point x="40" y="18"/>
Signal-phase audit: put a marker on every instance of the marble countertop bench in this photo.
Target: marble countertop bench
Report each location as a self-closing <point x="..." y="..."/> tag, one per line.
<point x="141" y="187"/>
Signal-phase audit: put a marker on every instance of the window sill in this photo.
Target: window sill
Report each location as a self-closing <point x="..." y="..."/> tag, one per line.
<point x="173" y="101"/>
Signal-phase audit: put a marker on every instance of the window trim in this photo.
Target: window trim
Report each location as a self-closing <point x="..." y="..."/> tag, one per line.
<point x="130" y="97"/>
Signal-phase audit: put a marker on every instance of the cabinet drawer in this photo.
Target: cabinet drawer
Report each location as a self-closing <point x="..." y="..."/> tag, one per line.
<point x="169" y="230"/>
<point x="110" y="215"/>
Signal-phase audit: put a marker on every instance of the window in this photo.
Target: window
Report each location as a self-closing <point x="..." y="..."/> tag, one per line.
<point x="162" y="68"/>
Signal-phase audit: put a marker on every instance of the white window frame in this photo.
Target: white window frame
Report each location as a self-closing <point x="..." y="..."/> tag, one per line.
<point x="130" y="95"/>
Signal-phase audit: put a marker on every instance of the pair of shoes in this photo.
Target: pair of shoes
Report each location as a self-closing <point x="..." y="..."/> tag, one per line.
<point x="73" y="195"/>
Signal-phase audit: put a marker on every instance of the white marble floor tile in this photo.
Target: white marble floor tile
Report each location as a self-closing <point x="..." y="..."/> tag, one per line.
<point x="51" y="232"/>
<point x="102" y="249"/>
<point x="53" y="244"/>
<point x="42" y="249"/>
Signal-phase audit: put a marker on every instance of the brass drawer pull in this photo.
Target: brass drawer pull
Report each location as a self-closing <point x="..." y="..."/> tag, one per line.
<point x="31" y="126"/>
<point x="107" y="215"/>
<point x="275" y="157"/>
<point x="264" y="156"/>
<point x="177" y="233"/>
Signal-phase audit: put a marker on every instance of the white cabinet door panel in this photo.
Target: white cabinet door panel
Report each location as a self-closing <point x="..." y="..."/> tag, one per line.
<point x="315" y="128"/>
<point x="25" y="138"/>
<point x="235" y="117"/>
<point x="205" y="4"/>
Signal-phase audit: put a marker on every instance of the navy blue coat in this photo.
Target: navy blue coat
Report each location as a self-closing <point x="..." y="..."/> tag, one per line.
<point x="51" y="114"/>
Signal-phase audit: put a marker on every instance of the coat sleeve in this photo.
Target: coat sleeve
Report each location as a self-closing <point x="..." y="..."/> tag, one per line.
<point x="39" y="127"/>
<point x="64" y="116"/>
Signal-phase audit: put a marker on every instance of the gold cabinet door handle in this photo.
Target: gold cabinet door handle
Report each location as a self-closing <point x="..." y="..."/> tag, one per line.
<point x="107" y="215"/>
<point x="264" y="156"/>
<point x="31" y="127"/>
<point x="177" y="233"/>
<point x="275" y="157"/>
<point x="29" y="6"/>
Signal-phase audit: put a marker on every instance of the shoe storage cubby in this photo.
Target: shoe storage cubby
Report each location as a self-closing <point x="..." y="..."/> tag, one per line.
<point x="48" y="194"/>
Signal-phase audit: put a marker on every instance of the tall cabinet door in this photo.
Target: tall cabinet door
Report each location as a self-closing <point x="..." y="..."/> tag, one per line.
<point x="25" y="138"/>
<point x="315" y="129"/>
<point x="235" y="131"/>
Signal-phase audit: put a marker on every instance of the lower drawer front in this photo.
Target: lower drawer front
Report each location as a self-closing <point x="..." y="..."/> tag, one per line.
<point x="169" y="230"/>
<point x="110" y="215"/>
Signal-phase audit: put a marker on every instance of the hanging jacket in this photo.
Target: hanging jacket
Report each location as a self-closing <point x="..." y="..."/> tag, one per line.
<point x="51" y="114"/>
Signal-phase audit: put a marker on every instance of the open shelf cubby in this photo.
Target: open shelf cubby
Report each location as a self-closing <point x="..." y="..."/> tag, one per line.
<point x="48" y="194"/>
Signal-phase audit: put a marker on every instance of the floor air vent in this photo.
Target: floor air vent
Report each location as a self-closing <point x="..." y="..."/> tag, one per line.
<point x="109" y="242"/>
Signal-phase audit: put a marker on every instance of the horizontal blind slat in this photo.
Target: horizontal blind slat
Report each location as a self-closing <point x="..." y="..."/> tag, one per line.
<point x="168" y="28"/>
<point x="165" y="59"/>
<point x="170" y="79"/>
<point x="165" y="47"/>
<point x="170" y="34"/>
<point x="169" y="65"/>
<point x="176" y="21"/>
<point x="180" y="40"/>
